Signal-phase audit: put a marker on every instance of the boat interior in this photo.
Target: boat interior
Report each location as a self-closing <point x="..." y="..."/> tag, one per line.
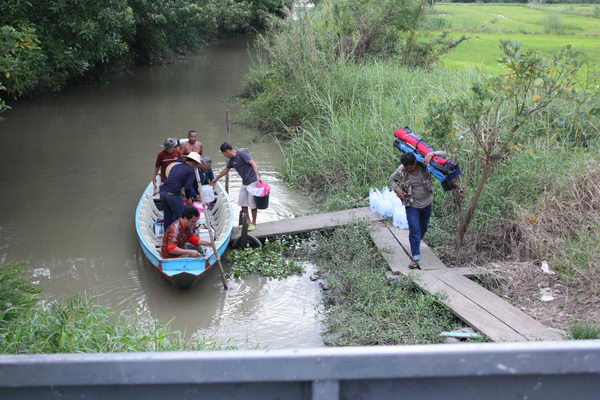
<point x="150" y="217"/>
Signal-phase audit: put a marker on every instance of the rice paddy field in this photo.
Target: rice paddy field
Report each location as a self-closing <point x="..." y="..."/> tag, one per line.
<point x="546" y="28"/>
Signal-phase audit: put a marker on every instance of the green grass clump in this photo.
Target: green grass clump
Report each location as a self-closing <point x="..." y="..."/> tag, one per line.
<point x="76" y="325"/>
<point x="272" y="260"/>
<point x="583" y="331"/>
<point x="363" y="308"/>
<point x="16" y="293"/>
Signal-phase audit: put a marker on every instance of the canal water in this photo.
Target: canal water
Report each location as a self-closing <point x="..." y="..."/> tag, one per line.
<point x="74" y="165"/>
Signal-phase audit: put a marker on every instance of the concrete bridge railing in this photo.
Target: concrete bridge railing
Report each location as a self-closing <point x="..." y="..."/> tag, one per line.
<point x="534" y="370"/>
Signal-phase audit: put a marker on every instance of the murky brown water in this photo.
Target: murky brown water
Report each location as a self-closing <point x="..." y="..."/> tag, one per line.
<point x="73" y="167"/>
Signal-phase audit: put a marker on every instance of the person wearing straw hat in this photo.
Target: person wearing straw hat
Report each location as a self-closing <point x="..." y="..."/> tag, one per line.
<point x="169" y="154"/>
<point x="181" y="176"/>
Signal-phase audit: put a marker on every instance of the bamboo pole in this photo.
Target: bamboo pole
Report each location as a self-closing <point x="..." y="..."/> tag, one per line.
<point x="228" y="140"/>
<point x="211" y="234"/>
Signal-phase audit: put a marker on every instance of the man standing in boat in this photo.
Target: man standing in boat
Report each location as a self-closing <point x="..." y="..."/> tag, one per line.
<point x="412" y="184"/>
<point x="192" y="144"/>
<point x="168" y="155"/>
<point x="180" y="233"/>
<point x="181" y="176"/>
<point x="246" y="167"/>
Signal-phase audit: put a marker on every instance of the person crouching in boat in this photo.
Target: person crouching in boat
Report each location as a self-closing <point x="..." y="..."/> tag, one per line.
<point x="412" y="184"/>
<point x="180" y="233"/>
<point x="181" y="176"/>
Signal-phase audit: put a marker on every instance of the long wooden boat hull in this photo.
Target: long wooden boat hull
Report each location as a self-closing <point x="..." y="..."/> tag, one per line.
<point x="182" y="272"/>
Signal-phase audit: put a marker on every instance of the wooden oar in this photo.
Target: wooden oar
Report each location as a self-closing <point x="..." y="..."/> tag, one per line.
<point x="210" y="230"/>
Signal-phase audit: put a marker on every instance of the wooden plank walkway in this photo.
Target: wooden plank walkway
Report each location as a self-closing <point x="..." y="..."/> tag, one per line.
<point x="310" y="223"/>
<point x="478" y="307"/>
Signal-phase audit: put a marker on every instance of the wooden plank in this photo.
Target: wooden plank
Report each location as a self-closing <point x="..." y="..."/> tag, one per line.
<point x="469" y="311"/>
<point x="390" y="249"/>
<point x="509" y="314"/>
<point x="311" y="223"/>
<point x="469" y="272"/>
<point x="429" y="261"/>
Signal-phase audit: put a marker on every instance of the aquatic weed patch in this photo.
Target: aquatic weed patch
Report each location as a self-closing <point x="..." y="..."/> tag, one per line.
<point x="273" y="260"/>
<point x="363" y="306"/>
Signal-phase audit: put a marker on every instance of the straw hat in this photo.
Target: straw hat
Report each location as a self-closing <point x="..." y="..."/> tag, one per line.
<point x="170" y="167"/>
<point x="193" y="156"/>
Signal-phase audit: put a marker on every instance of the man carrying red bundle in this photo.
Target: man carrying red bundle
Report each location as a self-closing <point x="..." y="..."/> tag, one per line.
<point x="412" y="184"/>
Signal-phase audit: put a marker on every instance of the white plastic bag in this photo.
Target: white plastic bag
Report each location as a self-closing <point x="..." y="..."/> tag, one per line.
<point x="374" y="200"/>
<point x="399" y="217"/>
<point x="208" y="194"/>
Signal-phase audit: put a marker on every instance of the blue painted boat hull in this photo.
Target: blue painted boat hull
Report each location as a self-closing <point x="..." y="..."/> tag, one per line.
<point x="181" y="272"/>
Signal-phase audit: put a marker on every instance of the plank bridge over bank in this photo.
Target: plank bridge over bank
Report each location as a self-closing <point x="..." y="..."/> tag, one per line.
<point x="471" y="302"/>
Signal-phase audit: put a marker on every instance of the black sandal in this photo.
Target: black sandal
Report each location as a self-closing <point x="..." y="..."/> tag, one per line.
<point x="413" y="265"/>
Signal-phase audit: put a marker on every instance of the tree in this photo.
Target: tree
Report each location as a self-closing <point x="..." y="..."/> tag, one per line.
<point x="497" y="107"/>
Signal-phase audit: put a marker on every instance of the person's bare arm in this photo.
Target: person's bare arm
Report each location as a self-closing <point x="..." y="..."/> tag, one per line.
<point x="224" y="172"/>
<point x="255" y="168"/>
<point x="428" y="158"/>
<point x="156" y="169"/>
<point x="178" y="251"/>
<point x="201" y="152"/>
<point x="394" y="183"/>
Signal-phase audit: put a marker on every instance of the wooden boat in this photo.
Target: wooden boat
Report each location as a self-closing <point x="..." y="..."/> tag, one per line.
<point x="184" y="271"/>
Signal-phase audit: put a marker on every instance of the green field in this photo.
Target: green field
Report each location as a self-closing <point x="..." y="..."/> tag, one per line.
<point x="546" y="28"/>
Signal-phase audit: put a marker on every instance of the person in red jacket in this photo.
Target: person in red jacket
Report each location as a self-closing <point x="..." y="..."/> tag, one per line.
<point x="168" y="155"/>
<point x="179" y="233"/>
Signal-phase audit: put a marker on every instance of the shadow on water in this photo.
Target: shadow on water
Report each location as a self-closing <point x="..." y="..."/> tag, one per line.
<point x="73" y="168"/>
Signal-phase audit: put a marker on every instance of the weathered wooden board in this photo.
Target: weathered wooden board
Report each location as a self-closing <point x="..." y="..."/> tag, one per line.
<point x="468" y="310"/>
<point x="509" y="314"/>
<point x="469" y="272"/>
<point x="390" y="249"/>
<point x="311" y="223"/>
<point x="429" y="260"/>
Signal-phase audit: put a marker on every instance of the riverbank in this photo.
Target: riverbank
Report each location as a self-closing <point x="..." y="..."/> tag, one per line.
<point x="45" y="46"/>
<point x="78" y="324"/>
<point x="338" y="113"/>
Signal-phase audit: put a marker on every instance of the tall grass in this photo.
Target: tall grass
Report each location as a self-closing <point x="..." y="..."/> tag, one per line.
<point x="364" y="308"/>
<point x="77" y="324"/>
<point x="339" y="114"/>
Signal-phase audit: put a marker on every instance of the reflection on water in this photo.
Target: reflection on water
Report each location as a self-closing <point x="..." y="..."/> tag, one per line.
<point x="73" y="168"/>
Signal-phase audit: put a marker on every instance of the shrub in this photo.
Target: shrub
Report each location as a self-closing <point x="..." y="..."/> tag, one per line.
<point x="584" y="331"/>
<point x="20" y="59"/>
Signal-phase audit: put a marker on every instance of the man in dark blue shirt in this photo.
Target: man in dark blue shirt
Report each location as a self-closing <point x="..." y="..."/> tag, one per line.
<point x="243" y="163"/>
<point x="181" y="176"/>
